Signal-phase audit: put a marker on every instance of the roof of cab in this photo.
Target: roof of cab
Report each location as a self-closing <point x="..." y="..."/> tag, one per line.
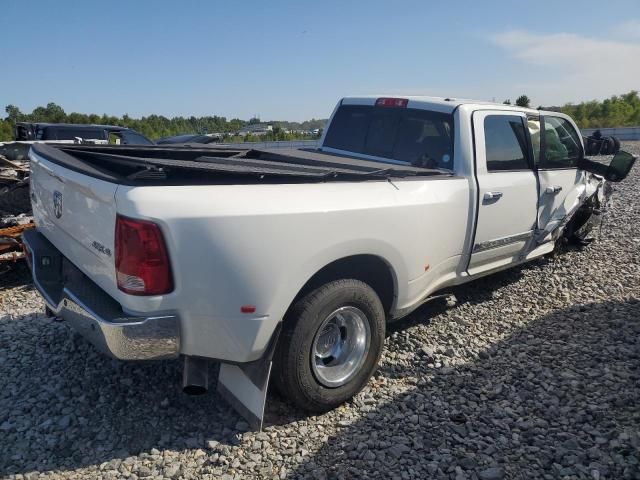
<point x="439" y="104"/>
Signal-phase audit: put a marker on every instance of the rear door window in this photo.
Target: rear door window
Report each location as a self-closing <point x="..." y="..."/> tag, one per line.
<point x="114" y="138"/>
<point x="130" y="137"/>
<point x="505" y="143"/>
<point x="414" y="136"/>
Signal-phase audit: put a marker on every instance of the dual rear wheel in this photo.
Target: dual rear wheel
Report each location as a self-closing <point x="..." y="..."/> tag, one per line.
<point x="330" y="345"/>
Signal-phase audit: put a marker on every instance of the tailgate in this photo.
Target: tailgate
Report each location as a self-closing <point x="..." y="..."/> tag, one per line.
<point x="77" y="214"/>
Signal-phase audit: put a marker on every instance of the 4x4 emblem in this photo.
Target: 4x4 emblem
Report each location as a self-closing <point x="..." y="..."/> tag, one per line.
<point x="57" y="203"/>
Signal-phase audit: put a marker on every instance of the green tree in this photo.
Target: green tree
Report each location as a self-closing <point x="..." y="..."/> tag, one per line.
<point x="616" y="111"/>
<point x="507" y="101"/>
<point x="523" y="101"/>
<point x="13" y="114"/>
<point x="51" y="113"/>
<point x="6" y="131"/>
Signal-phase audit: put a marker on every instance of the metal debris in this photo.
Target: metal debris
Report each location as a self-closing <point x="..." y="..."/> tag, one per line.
<point x="11" y="249"/>
<point x="15" y="210"/>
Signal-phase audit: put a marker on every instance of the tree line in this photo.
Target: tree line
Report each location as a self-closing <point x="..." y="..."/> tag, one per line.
<point x="155" y="126"/>
<point x="616" y="111"/>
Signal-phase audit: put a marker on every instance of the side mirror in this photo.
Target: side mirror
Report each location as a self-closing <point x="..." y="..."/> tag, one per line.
<point x="620" y="166"/>
<point x="616" y="171"/>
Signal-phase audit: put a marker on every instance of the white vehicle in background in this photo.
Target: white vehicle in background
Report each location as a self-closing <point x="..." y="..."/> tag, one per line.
<point x="290" y="263"/>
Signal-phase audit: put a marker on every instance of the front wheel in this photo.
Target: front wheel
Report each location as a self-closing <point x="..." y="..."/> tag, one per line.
<point x="330" y="345"/>
<point x="584" y="221"/>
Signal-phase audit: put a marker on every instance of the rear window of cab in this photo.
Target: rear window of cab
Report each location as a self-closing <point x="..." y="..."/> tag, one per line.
<point x="418" y="137"/>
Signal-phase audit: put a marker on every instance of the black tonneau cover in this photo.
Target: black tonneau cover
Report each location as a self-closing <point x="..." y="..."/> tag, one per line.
<point x="185" y="164"/>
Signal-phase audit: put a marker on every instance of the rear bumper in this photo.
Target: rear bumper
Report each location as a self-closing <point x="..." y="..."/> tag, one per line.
<point x="93" y="313"/>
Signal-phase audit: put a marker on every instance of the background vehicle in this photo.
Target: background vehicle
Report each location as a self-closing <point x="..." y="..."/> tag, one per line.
<point x="27" y="133"/>
<point x="113" y="134"/>
<point x="190" y="138"/>
<point x="15" y="208"/>
<point x="298" y="258"/>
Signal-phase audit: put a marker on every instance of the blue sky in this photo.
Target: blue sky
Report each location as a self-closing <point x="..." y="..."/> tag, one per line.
<point x="294" y="60"/>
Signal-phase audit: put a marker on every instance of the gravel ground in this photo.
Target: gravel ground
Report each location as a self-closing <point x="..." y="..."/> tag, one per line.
<point x="534" y="373"/>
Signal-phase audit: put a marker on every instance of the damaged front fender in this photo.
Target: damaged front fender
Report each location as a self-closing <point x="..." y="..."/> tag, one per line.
<point x="594" y="189"/>
<point x="588" y="217"/>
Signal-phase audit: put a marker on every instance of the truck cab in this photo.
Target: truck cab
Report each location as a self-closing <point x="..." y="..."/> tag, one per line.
<point x="522" y="164"/>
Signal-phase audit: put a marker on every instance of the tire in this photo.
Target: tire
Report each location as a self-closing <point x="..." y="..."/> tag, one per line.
<point x="297" y="367"/>
<point x="608" y="146"/>
<point x="592" y="146"/>
<point x="616" y="143"/>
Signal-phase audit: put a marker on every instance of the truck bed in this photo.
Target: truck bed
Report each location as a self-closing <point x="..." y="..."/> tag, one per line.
<point x="180" y="165"/>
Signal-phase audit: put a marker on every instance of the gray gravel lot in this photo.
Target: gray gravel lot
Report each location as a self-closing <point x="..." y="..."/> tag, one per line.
<point x="534" y="373"/>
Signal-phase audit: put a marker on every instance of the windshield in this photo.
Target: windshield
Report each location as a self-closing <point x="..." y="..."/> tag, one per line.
<point x="418" y="137"/>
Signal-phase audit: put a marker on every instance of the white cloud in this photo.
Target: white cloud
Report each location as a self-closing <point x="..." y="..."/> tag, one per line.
<point x="629" y="29"/>
<point x="571" y="67"/>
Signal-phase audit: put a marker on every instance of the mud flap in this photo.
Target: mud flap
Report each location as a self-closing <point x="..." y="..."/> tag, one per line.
<point x="245" y="386"/>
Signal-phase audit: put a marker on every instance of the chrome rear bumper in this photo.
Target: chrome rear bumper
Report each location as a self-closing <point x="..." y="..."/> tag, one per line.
<point x="94" y="314"/>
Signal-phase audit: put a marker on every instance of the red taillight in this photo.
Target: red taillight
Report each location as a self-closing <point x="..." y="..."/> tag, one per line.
<point x="142" y="262"/>
<point x="392" y="102"/>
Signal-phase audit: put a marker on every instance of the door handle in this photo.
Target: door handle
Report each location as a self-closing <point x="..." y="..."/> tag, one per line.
<point x="492" y="195"/>
<point x="553" y="189"/>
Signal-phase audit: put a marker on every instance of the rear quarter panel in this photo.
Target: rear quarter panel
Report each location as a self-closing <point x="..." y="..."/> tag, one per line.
<point x="233" y="245"/>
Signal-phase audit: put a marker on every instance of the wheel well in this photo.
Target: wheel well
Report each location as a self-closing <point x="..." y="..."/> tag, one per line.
<point x="582" y="216"/>
<point x="370" y="269"/>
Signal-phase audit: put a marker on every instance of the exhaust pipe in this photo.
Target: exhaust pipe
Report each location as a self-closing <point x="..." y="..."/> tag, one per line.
<point x="195" y="375"/>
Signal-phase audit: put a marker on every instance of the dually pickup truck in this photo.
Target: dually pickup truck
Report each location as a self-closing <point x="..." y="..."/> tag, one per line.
<point x="287" y="264"/>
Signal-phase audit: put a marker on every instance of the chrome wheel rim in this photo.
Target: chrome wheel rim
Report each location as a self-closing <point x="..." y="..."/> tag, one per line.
<point x="340" y="346"/>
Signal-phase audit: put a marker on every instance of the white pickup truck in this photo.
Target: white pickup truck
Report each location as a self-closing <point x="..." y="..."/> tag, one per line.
<point x="296" y="259"/>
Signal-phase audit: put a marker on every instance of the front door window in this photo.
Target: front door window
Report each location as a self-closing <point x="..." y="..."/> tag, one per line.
<point x="561" y="144"/>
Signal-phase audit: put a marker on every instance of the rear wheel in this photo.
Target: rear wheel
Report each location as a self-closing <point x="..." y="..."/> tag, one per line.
<point x="330" y="345"/>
